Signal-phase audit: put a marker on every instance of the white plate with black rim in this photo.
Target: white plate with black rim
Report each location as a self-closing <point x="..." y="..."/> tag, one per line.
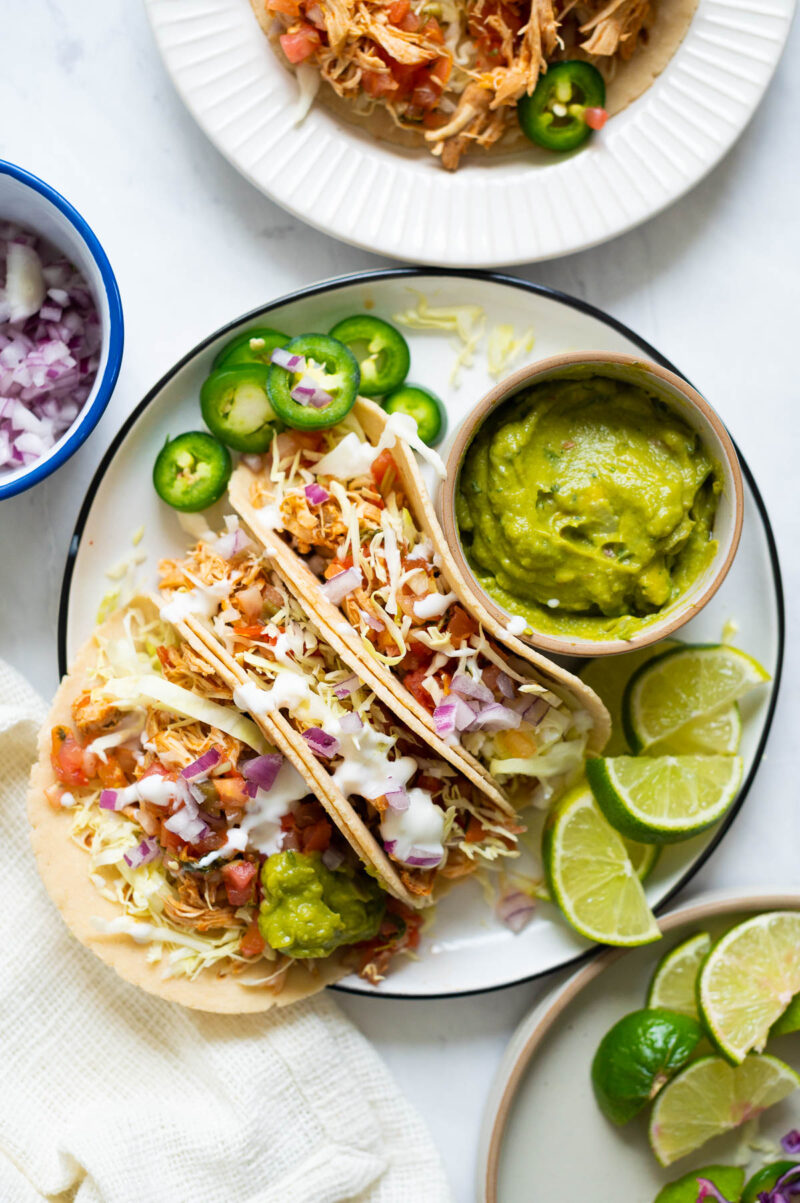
<point x="543" y="1136"/>
<point x="497" y="209"/>
<point x="466" y="950"/>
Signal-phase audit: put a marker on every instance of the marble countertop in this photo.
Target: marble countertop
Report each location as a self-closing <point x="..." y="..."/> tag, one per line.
<point x="713" y="282"/>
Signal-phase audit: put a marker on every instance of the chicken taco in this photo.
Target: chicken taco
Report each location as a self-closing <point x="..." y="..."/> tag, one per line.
<point x="430" y="824"/>
<point x="450" y="75"/>
<point x="346" y="520"/>
<point x="186" y="849"/>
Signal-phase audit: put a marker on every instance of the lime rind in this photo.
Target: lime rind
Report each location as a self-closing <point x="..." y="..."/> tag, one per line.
<point x="709" y="678"/>
<point x="590" y="876"/>
<point x="664" y="799"/>
<point x="674" y="982"/>
<point x="748" y="980"/>
<point x="710" y="1097"/>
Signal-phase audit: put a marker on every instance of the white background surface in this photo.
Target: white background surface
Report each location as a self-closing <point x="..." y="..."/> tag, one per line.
<point x="714" y="283"/>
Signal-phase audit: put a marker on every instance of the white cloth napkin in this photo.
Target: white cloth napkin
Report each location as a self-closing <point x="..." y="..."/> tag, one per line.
<point x="117" y="1097"/>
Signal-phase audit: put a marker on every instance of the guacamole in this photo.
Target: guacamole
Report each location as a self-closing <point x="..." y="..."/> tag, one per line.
<point x="310" y="910"/>
<point x="587" y="506"/>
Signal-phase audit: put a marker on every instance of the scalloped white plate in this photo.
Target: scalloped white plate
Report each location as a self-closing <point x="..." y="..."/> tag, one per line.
<point x="494" y="210"/>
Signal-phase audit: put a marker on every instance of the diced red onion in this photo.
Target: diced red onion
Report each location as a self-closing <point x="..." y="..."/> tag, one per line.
<point x="308" y="392"/>
<point x="451" y="715"/>
<point x="372" y="621"/>
<point x="535" y="711"/>
<point x="231" y="543"/>
<point x="495" y="717"/>
<point x="467" y="687"/>
<point x="187" y="826"/>
<point x="332" y="859"/>
<point x="284" y="359"/>
<point x="49" y="349"/>
<point x="505" y="685"/>
<point x="202" y="766"/>
<point x="142" y="855"/>
<point x="424" y="858"/>
<point x="350" y="723"/>
<point x="110" y="799"/>
<point x="263" y="770"/>
<point x="316" y="494"/>
<point x="251" y="789"/>
<point x="515" y="909"/>
<point x="339" y="586"/>
<point x="346" y="687"/>
<point x="254" y="462"/>
<point x="707" y="1190"/>
<point x="398" y="799"/>
<point x="787" y="1186"/>
<point x="790" y="1143"/>
<point x="320" y="743"/>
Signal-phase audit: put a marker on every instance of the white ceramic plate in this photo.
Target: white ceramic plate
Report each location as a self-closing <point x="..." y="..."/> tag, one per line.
<point x="467" y="949"/>
<point x="543" y="1136"/>
<point x="494" y="210"/>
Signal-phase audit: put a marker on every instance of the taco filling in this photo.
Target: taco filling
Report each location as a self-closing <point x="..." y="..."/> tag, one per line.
<point x="205" y="837"/>
<point x="430" y="821"/>
<point x="340" y="504"/>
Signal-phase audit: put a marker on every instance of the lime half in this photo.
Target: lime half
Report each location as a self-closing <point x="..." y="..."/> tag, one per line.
<point x="748" y="980"/>
<point x="664" y="799"/>
<point x="590" y="875"/>
<point x="728" y="1180"/>
<point x="681" y="686"/>
<point x="710" y="1097"/>
<point x="637" y="1057"/>
<point x="674" y="982"/>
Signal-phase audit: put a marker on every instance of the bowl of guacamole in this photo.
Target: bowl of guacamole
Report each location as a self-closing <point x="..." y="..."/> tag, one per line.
<point x="593" y="502"/>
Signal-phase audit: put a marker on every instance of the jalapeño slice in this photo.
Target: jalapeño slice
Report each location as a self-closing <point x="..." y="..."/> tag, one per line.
<point x="191" y="471"/>
<point x="236" y="407"/>
<point x="425" y="408"/>
<point x="382" y="352"/>
<point x="555" y="115"/>
<point x="251" y="346"/>
<point x="330" y="367"/>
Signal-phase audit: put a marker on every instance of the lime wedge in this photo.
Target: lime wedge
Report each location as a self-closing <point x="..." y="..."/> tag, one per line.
<point x="717" y="734"/>
<point x="710" y="1097"/>
<point x="608" y="676"/>
<point x="748" y="980"/>
<point x="681" y="686"/>
<point x="664" y="799"/>
<point x="674" y="982"/>
<point x="643" y="857"/>
<point x="728" y="1180"/>
<point x="590" y="875"/>
<point x="789" y="1021"/>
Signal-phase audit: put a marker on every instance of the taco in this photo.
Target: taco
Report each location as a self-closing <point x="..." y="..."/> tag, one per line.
<point x="429" y="823"/>
<point x="347" y="521"/>
<point x="185" y="849"/>
<point x="448" y="74"/>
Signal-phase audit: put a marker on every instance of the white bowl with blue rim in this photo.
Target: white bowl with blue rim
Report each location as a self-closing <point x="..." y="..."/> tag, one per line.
<point x="30" y="202"/>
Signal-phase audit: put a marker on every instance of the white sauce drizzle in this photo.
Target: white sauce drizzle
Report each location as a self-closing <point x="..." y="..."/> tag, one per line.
<point x="421" y="826"/>
<point x="433" y="605"/>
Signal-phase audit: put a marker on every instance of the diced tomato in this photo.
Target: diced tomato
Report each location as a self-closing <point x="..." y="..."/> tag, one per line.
<point x="413" y="683"/>
<point x="290" y="7"/>
<point x="110" y="773"/>
<point x="254" y="631"/>
<point x="66" y="757"/>
<point x="595" y="118"/>
<point x="253" y="943"/>
<point x="440" y="71"/>
<point x="426" y="95"/>
<point x="378" y="83"/>
<point x="475" y="831"/>
<point x="484" y="31"/>
<point x="232" y="792"/>
<point x="417" y="656"/>
<point x="409" y="23"/>
<point x="461" y="625"/>
<point x="238" y="876"/>
<point x="337" y="566"/>
<point x="157" y="769"/>
<point x="381" y="465"/>
<point x="397" y="10"/>
<point x="431" y="785"/>
<point x="317" y="837"/>
<point x="432" y="30"/>
<point x="170" y="839"/>
<point x="300" y="44"/>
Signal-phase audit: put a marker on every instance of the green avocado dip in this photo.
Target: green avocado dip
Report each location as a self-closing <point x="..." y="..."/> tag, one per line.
<point x="309" y="910"/>
<point x="586" y="507"/>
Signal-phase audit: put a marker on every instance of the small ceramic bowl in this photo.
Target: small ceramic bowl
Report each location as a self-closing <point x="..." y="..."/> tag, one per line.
<point x="31" y="202"/>
<point x="687" y="404"/>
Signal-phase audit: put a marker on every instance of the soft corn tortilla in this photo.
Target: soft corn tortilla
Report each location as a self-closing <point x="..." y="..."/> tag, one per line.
<point x="663" y="33"/>
<point x="348" y="643"/>
<point x="64" y="869"/>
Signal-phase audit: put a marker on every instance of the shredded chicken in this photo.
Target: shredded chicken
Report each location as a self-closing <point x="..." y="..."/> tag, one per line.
<point x="201" y="918"/>
<point x="94" y="714"/>
<point x="615" y="29"/>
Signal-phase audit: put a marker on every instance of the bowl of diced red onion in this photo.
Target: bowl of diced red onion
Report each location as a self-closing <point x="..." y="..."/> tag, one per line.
<point x="61" y="330"/>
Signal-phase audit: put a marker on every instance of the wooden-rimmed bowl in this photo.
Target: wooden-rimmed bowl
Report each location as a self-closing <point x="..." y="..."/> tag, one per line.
<point x="687" y="404"/>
